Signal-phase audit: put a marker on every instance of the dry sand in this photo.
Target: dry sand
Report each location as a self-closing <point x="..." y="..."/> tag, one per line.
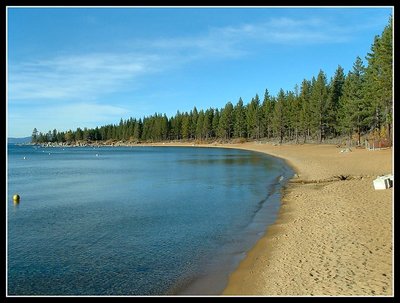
<point x="333" y="237"/>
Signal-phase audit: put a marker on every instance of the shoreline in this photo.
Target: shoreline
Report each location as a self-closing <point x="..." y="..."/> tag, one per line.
<point x="345" y="248"/>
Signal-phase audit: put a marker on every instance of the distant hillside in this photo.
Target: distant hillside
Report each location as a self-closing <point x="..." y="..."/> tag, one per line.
<point x="19" y="140"/>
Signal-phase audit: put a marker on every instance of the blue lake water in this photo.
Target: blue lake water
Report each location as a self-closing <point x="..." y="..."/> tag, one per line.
<point x="135" y="220"/>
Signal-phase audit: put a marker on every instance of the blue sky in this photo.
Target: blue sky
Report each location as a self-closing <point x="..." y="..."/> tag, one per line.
<point x="87" y="67"/>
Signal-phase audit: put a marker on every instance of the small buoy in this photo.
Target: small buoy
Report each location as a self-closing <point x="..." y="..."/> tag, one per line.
<point x="97" y="155"/>
<point x="49" y="153"/>
<point x="24" y="158"/>
<point x="16" y="198"/>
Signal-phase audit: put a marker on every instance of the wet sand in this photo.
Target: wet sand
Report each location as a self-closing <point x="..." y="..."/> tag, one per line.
<point x="332" y="237"/>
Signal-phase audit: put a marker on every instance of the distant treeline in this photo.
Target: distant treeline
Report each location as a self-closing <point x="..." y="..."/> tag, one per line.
<point x="352" y="105"/>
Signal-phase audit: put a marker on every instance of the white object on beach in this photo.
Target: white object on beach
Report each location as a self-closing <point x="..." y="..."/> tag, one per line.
<point x="383" y="182"/>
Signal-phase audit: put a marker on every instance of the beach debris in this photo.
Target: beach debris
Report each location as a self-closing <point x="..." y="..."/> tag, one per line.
<point x="342" y="177"/>
<point x="383" y="182"/>
<point x="345" y="150"/>
<point x="334" y="178"/>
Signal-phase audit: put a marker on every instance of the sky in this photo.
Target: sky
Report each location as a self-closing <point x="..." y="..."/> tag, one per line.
<point x="70" y="67"/>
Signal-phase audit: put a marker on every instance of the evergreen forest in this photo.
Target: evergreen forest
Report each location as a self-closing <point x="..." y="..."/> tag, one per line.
<point x="354" y="105"/>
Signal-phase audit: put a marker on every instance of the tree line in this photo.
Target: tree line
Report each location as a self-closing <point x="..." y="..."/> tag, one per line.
<point x="353" y="104"/>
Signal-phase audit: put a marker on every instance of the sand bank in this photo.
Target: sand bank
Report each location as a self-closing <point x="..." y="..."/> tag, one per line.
<point x="332" y="237"/>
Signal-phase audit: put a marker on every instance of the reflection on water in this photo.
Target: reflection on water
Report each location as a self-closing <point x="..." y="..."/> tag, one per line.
<point x="129" y="221"/>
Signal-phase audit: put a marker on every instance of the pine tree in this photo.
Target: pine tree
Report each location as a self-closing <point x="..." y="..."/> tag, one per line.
<point x="379" y="79"/>
<point x="78" y="134"/>
<point x="199" y="127"/>
<point x="207" y="123"/>
<point x="194" y="114"/>
<point x="186" y="126"/>
<point x="137" y="131"/>
<point x="69" y="136"/>
<point x="253" y="118"/>
<point x="225" y="127"/>
<point x="304" y="115"/>
<point x="335" y="92"/>
<point x="258" y="126"/>
<point x="165" y="127"/>
<point x="215" y="123"/>
<point x="279" y="116"/>
<point x="239" y="127"/>
<point x="267" y="113"/>
<point x="34" y="135"/>
<point x="292" y="113"/>
<point x="319" y="105"/>
<point x="354" y="109"/>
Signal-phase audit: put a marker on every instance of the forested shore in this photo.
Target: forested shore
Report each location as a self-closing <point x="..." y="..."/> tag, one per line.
<point x="357" y="105"/>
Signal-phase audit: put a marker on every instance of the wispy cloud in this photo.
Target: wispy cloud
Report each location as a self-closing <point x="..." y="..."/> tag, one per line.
<point x="236" y="41"/>
<point x="287" y="31"/>
<point x="73" y="85"/>
<point x="77" y="76"/>
<point x="91" y="75"/>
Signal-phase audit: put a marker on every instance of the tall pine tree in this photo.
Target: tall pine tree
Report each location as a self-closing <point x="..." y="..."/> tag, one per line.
<point x="354" y="107"/>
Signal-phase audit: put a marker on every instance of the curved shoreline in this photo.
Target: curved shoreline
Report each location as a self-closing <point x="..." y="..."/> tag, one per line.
<point x="344" y="248"/>
<point x="334" y="232"/>
<point x="215" y="277"/>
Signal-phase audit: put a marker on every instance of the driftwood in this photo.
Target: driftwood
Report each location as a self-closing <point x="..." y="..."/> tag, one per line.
<point x="332" y="179"/>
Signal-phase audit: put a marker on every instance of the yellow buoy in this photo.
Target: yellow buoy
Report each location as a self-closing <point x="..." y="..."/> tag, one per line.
<point x="16" y="198"/>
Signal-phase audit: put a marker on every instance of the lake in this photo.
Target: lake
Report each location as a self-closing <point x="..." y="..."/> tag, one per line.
<point x="135" y="220"/>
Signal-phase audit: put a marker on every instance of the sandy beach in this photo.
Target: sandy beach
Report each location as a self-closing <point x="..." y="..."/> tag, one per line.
<point x="333" y="237"/>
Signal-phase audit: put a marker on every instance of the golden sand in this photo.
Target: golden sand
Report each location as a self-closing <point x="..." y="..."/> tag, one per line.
<point x="332" y="237"/>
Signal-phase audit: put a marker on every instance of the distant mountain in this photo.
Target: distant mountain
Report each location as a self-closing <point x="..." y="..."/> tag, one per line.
<point x="19" y="140"/>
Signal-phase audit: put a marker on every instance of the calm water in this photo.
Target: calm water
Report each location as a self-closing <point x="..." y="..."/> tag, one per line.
<point x="135" y="220"/>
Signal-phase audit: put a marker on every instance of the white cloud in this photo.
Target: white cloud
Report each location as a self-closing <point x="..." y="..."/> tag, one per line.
<point x="287" y="31"/>
<point x="91" y="75"/>
<point x="238" y="40"/>
<point x="64" y="90"/>
<point x="77" y="76"/>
